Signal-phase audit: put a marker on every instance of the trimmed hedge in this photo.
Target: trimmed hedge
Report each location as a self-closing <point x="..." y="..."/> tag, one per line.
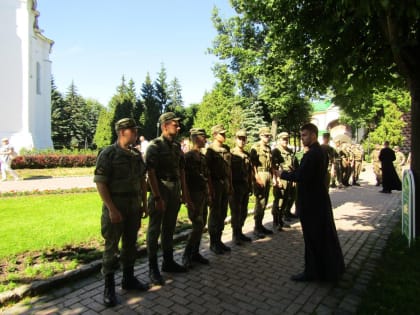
<point x="52" y="160"/>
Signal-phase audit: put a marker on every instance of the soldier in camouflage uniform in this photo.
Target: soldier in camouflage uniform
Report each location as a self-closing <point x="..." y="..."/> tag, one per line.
<point x="196" y="175"/>
<point x="330" y="154"/>
<point x="218" y="159"/>
<point x="357" y="163"/>
<point x="242" y="187"/>
<point x="284" y="191"/>
<point x="399" y="161"/>
<point x="165" y="163"/>
<point x="346" y="163"/>
<point x="376" y="163"/>
<point x="261" y="164"/>
<point x="120" y="180"/>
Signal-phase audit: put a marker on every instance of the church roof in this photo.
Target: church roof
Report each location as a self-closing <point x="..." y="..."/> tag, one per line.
<point x="321" y="106"/>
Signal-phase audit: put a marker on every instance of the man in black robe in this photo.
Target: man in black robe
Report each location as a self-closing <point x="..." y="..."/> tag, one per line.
<point x="323" y="256"/>
<point x="390" y="179"/>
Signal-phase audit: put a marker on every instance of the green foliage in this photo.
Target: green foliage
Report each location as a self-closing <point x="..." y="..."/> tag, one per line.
<point x="392" y="103"/>
<point x="252" y="119"/>
<point x="217" y="108"/>
<point x="174" y="96"/>
<point x="103" y="134"/>
<point x="161" y="90"/>
<point x="151" y="115"/>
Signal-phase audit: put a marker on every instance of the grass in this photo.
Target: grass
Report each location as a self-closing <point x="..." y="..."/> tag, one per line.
<point x="394" y="287"/>
<point x="43" y="235"/>
<point x="54" y="172"/>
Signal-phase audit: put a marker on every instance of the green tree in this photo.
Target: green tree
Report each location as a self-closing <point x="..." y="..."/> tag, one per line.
<point x="92" y="116"/>
<point x="161" y="90"/>
<point x="104" y="130"/>
<point x="174" y="96"/>
<point x="60" y="119"/>
<point x="351" y="46"/>
<point x="252" y="119"/>
<point x="78" y="121"/>
<point x="151" y="109"/>
<point x="123" y="104"/>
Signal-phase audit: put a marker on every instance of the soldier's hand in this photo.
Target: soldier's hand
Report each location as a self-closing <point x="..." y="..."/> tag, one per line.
<point x="115" y="216"/>
<point x="259" y="181"/>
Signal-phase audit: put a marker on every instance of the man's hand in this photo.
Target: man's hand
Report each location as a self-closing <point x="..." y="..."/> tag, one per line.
<point x="259" y="181"/>
<point x="115" y="216"/>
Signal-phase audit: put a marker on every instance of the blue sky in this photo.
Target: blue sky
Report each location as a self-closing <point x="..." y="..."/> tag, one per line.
<point x="98" y="41"/>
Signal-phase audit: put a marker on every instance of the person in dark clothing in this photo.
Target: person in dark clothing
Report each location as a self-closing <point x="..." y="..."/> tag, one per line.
<point x="323" y="256"/>
<point x="390" y="179"/>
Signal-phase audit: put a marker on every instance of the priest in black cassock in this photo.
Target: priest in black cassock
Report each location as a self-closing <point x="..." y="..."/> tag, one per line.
<point x="323" y="256"/>
<point x="390" y="179"/>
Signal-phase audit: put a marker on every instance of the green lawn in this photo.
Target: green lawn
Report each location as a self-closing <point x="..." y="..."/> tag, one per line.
<point x="37" y="222"/>
<point x="394" y="287"/>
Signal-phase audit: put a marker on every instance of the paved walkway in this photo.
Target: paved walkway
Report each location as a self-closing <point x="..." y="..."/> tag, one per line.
<point x="252" y="279"/>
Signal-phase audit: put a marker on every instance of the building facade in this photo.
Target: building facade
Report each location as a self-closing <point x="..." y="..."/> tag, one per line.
<point x="25" y="78"/>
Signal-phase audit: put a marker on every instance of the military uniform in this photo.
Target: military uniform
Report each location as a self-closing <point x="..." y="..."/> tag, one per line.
<point x="357" y="162"/>
<point x="261" y="162"/>
<point x="165" y="157"/>
<point x="196" y="175"/>
<point x="330" y="155"/>
<point x="122" y="171"/>
<point x="377" y="169"/>
<point x="242" y="186"/>
<point x="285" y="192"/>
<point x="219" y="163"/>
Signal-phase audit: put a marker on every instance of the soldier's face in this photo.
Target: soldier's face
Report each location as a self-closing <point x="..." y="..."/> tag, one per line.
<point x="240" y="142"/>
<point x="172" y="127"/>
<point x="265" y="138"/>
<point x="284" y="142"/>
<point x="221" y="137"/>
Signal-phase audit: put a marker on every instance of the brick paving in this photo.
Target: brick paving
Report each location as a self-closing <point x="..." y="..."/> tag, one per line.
<point x="254" y="278"/>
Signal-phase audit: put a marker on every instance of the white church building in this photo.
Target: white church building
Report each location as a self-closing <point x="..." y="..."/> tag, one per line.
<point x="25" y="77"/>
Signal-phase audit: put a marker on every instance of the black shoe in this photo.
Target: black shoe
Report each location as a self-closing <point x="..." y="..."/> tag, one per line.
<point x="266" y="231"/>
<point x="301" y="277"/>
<point x="259" y="234"/>
<point x="132" y="283"/>
<point x="200" y="259"/>
<point x="356" y="184"/>
<point x="215" y="248"/>
<point x="245" y="238"/>
<point x="155" y="277"/>
<point x="385" y="191"/>
<point x="279" y="228"/>
<point x="187" y="261"/>
<point x="237" y="240"/>
<point x="224" y="247"/>
<point x="333" y="186"/>
<point x="172" y="266"/>
<point x="284" y="225"/>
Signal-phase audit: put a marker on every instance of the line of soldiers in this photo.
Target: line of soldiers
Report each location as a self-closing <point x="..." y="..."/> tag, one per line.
<point x="344" y="162"/>
<point x="216" y="178"/>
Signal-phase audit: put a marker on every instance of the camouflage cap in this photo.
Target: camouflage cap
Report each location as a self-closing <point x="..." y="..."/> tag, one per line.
<point x="283" y="135"/>
<point x="218" y="129"/>
<point x="264" y="131"/>
<point x="165" y="117"/>
<point x="198" y="132"/>
<point x="240" y="133"/>
<point x="125" y="123"/>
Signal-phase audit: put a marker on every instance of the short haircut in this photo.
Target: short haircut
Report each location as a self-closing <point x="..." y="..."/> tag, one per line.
<point x="311" y="128"/>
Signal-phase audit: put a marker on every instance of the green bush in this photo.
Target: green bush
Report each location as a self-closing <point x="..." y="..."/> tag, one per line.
<point x="53" y="160"/>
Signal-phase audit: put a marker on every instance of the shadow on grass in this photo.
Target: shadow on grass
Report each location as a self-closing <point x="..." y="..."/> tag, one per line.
<point x="37" y="177"/>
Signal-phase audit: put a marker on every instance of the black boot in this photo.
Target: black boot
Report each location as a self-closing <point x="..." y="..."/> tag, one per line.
<point x="109" y="292"/>
<point x="214" y="246"/>
<point x="154" y="273"/>
<point x="196" y="256"/>
<point x="222" y="245"/>
<point x="236" y="237"/>
<point x="186" y="258"/>
<point x="169" y="264"/>
<point x="245" y="238"/>
<point x="130" y="282"/>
